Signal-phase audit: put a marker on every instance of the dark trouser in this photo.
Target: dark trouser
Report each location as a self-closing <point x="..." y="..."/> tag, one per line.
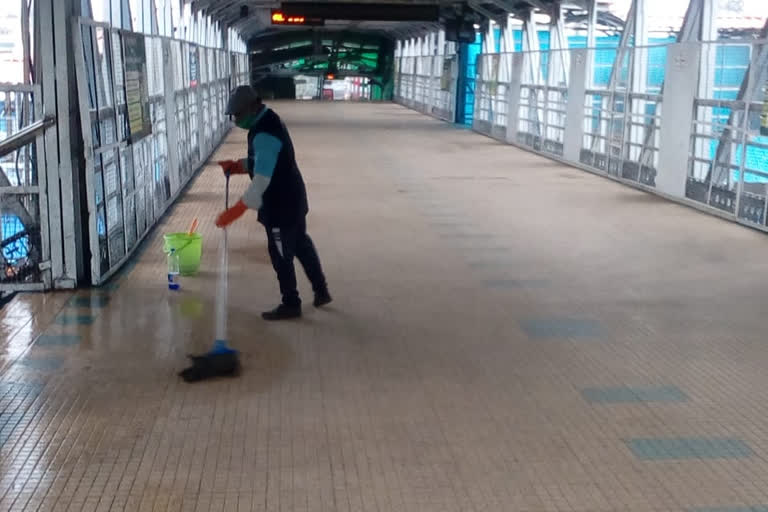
<point x="284" y="244"/>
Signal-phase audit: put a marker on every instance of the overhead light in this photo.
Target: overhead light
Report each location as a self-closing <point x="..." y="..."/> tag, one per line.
<point x="476" y="26"/>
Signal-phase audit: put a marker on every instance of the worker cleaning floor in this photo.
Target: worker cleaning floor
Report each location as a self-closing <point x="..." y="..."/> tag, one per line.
<point x="278" y="193"/>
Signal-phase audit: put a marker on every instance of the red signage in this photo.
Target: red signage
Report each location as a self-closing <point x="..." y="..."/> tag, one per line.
<point x="281" y="18"/>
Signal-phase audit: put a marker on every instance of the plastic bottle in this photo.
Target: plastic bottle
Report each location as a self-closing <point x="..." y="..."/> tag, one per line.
<point x="173" y="270"/>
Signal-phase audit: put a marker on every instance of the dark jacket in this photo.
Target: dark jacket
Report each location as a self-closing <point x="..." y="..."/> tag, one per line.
<point x="272" y="160"/>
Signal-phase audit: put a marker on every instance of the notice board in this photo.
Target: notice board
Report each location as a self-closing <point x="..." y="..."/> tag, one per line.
<point x="194" y="66"/>
<point x="136" y="86"/>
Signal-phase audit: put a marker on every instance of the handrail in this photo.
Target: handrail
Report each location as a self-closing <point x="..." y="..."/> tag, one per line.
<point x="14" y="87"/>
<point x="25" y="136"/>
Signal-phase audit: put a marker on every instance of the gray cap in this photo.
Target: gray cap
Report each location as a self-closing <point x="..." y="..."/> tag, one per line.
<point x="242" y="99"/>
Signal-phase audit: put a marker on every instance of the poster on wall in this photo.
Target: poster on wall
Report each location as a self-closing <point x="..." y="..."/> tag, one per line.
<point x="136" y="86"/>
<point x="445" y="77"/>
<point x="194" y="66"/>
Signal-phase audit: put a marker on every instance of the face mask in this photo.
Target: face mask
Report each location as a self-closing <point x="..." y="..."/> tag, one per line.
<point x="245" y="122"/>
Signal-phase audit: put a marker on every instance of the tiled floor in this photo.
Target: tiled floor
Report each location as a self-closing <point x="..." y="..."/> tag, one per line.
<point x="508" y="335"/>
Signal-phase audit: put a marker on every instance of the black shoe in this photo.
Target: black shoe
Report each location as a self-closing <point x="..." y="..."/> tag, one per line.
<point x="282" y="312"/>
<point x="322" y="298"/>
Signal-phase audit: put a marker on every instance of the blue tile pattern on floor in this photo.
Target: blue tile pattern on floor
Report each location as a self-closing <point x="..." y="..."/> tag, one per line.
<point x="559" y="327"/>
<point x="48" y="340"/>
<point x="689" y="448"/>
<point x="95" y="301"/>
<point x="74" y="320"/>
<point x="8" y="389"/>
<point x="619" y="395"/>
<point x="42" y="363"/>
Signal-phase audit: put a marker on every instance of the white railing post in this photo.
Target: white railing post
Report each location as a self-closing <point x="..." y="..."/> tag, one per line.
<point x="574" y="118"/>
<point x="513" y="96"/>
<point x="681" y="76"/>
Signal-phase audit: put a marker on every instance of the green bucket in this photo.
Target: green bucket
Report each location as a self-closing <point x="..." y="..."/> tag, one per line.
<point x="188" y="247"/>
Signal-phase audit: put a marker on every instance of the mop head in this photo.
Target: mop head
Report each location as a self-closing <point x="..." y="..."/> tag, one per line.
<point x="221" y="361"/>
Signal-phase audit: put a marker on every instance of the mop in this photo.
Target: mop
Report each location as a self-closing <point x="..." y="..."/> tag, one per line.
<point x="221" y="360"/>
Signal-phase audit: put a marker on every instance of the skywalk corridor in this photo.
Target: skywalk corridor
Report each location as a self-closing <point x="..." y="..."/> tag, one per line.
<point x="508" y="334"/>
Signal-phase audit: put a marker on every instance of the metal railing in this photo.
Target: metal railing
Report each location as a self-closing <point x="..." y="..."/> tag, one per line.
<point x="156" y="111"/>
<point x="728" y="161"/>
<point x="613" y="120"/>
<point x="427" y="84"/>
<point x="24" y="248"/>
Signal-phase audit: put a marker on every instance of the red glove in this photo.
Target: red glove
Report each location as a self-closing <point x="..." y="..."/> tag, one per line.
<point x="232" y="167"/>
<point x="229" y="216"/>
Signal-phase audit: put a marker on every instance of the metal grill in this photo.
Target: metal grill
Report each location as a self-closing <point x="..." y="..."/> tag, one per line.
<point x="427" y="83"/>
<point x="24" y="248"/>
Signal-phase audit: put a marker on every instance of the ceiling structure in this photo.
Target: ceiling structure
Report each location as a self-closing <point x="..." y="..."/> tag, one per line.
<point x="252" y="18"/>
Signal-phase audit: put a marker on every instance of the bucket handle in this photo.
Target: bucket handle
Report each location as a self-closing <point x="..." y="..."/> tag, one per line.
<point x="179" y="249"/>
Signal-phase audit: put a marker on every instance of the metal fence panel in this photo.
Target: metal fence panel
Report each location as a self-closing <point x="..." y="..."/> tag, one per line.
<point x="24" y="233"/>
<point x="618" y="125"/>
<point x="131" y="175"/>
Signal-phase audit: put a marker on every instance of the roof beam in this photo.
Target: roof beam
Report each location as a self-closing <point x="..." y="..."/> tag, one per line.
<point x="505" y="5"/>
<point x="475" y="6"/>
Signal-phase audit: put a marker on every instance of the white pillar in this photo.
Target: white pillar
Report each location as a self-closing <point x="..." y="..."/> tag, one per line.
<point x="574" y="120"/>
<point x="681" y="76"/>
<point x="513" y="96"/>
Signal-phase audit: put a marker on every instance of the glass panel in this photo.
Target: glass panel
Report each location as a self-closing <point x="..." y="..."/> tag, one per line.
<point x="20" y="239"/>
<point x="101" y="221"/>
<point x="114" y="209"/>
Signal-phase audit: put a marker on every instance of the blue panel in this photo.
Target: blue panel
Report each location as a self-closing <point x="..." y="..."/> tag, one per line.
<point x="620" y="395"/>
<point x="689" y="448"/>
<point x="50" y="340"/>
<point x="577" y="42"/>
<point x="11" y="224"/>
<point x="544" y="39"/>
<point x="733" y="54"/>
<point x="518" y="37"/>
<point x="731" y="76"/>
<point x="558" y="327"/>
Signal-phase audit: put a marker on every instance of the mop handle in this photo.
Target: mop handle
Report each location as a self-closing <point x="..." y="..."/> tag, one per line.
<point x="221" y="299"/>
<point x="226" y="195"/>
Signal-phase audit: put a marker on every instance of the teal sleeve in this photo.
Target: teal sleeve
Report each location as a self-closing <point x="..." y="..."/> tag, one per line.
<point x="265" y="150"/>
